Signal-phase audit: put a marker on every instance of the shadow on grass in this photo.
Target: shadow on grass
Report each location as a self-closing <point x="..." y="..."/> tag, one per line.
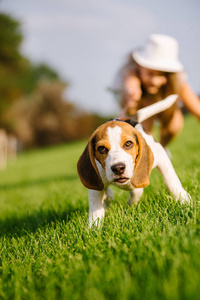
<point x="20" y="225"/>
<point x="38" y="181"/>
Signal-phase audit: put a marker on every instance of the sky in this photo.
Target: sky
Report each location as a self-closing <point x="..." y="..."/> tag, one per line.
<point x="87" y="41"/>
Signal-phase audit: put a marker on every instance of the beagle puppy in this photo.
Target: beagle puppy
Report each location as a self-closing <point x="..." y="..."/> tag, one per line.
<point x="121" y="153"/>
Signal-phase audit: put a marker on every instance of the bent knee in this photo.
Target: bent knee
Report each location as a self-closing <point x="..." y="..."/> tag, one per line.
<point x="175" y="125"/>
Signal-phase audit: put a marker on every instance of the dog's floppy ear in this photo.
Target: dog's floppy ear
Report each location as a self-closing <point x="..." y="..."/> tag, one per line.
<point x="87" y="169"/>
<point x="143" y="164"/>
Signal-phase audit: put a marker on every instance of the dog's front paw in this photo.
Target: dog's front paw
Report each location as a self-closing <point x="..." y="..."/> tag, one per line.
<point x="97" y="223"/>
<point x="135" y="196"/>
<point x="185" y="197"/>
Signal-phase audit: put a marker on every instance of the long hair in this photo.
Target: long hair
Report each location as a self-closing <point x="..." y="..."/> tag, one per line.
<point x="130" y="68"/>
<point x="173" y="79"/>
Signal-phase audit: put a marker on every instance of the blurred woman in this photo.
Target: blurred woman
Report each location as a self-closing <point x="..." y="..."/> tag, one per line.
<point x="152" y="73"/>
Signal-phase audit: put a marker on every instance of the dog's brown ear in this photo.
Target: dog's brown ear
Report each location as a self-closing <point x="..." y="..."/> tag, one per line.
<point x="143" y="164"/>
<point x="87" y="169"/>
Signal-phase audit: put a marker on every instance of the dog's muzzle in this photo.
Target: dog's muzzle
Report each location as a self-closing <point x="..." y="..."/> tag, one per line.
<point x="118" y="168"/>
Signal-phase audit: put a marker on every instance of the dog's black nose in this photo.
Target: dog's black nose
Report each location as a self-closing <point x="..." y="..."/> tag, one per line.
<point x="119" y="168"/>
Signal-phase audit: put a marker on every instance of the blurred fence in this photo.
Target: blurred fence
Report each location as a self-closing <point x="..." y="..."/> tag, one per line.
<point x="8" y="148"/>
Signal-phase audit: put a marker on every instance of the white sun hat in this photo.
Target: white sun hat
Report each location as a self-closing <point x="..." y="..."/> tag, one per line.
<point x="160" y="53"/>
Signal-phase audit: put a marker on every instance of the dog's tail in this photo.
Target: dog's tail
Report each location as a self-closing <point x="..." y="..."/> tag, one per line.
<point x="151" y="110"/>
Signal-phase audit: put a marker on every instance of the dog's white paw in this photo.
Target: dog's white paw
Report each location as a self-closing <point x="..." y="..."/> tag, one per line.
<point x="135" y="196"/>
<point x="185" y="197"/>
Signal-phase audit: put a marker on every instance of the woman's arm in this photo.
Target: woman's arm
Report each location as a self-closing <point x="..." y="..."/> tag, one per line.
<point x="131" y="94"/>
<point x="190" y="99"/>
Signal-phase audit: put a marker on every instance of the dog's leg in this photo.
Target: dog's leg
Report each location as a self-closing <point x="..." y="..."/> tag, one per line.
<point x="164" y="165"/>
<point x="109" y="194"/>
<point x="171" y="179"/>
<point x="96" y="209"/>
<point x="135" y="196"/>
<point x="108" y="197"/>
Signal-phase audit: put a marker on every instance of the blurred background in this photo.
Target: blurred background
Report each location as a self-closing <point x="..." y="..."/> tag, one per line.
<point x="58" y="58"/>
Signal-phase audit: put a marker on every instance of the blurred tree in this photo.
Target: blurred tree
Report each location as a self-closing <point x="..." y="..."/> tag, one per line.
<point x="10" y="41"/>
<point x="45" y="119"/>
<point x="31" y="97"/>
<point x="18" y="76"/>
<point x="35" y="74"/>
<point x="12" y="64"/>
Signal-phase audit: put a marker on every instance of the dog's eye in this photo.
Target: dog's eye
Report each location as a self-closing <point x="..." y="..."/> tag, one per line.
<point x="128" y="145"/>
<point x="102" y="150"/>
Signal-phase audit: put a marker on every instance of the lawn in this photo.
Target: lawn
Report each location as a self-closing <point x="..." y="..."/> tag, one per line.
<point x="47" y="251"/>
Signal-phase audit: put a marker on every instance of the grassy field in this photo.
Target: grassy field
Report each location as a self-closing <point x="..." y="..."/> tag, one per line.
<point x="149" y="251"/>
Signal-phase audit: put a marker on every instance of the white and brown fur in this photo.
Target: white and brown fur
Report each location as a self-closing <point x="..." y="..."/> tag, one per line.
<point x="123" y="154"/>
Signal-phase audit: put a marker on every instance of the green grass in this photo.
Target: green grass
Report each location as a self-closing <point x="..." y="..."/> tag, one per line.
<point x="47" y="251"/>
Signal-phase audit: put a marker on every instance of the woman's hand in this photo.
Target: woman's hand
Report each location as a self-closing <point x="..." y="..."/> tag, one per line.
<point x="190" y="100"/>
<point x="131" y="95"/>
